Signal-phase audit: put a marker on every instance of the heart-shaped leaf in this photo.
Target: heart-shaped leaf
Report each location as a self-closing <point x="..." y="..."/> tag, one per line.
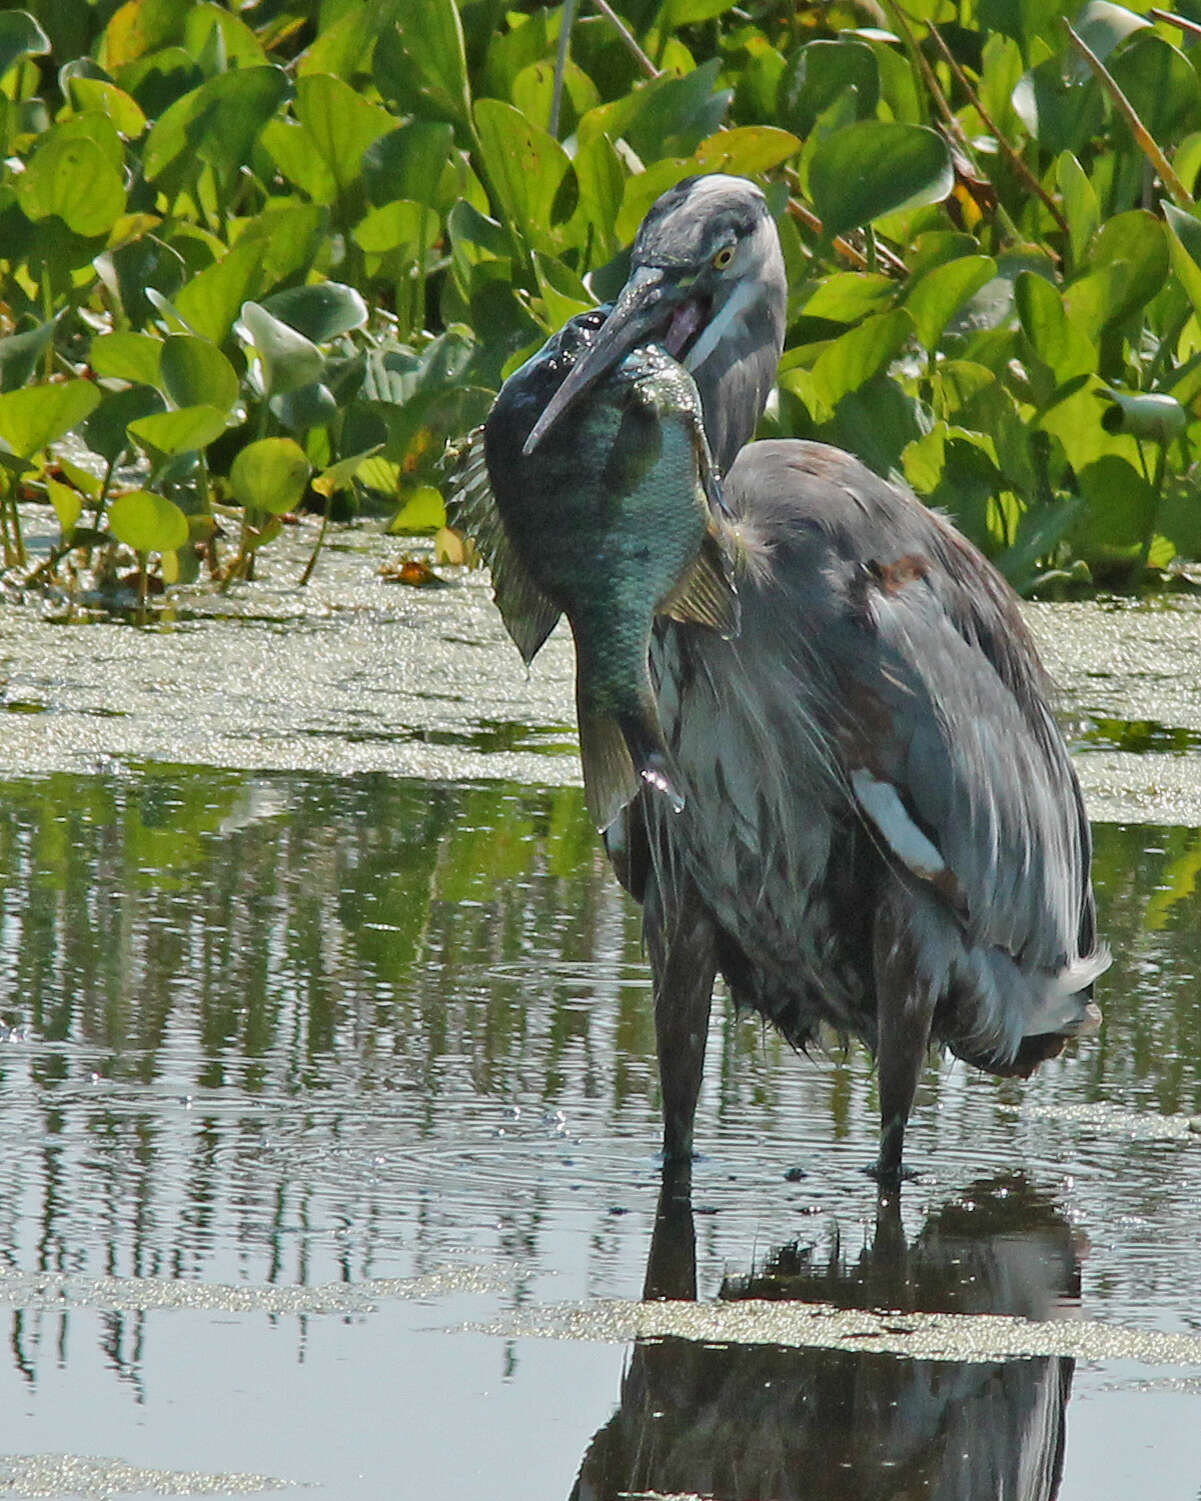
<point x="270" y="475"/>
<point x="147" y="522"/>
<point x="877" y="167"/>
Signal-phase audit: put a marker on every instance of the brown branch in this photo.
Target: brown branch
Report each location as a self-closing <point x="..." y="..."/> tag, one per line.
<point x="1015" y="160"/>
<point x="627" y="37"/>
<point x="1142" y="135"/>
<point x="1171" y="19"/>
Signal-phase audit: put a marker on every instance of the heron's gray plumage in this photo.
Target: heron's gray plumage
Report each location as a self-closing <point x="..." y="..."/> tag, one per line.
<point x="865" y="649"/>
<point x="881" y="829"/>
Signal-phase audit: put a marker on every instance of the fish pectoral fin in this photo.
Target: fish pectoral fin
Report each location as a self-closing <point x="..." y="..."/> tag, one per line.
<point x="706" y="594"/>
<point x="610" y="781"/>
<point x="529" y="615"/>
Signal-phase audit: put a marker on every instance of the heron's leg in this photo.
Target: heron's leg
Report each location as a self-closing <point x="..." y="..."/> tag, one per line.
<point x="680" y="937"/>
<point x="904" y="1014"/>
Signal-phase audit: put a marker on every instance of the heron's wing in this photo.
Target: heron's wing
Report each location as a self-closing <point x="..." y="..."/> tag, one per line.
<point x="923" y="691"/>
<point x="528" y="614"/>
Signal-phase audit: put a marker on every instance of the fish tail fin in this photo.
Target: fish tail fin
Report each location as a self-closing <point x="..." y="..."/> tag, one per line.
<point x="610" y="781"/>
<point x="652" y="761"/>
<point x="619" y="756"/>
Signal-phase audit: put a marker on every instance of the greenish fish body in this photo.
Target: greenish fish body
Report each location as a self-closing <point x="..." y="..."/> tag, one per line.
<point x="610" y="521"/>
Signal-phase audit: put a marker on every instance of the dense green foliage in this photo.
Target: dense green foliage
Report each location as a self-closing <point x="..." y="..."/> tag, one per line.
<point x="266" y="246"/>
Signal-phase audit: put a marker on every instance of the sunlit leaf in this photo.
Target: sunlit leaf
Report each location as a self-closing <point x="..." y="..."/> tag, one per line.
<point x="38" y="415"/>
<point x="340" y="124"/>
<point x="217" y="123"/>
<point x="421" y="63"/>
<point x="526" y="168"/>
<point x="1055" y="339"/>
<point x="874" y="168"/>
<point x="746" y="150"/>
<point x="72" y="176"/>
<point x="408" y="163"/>
<point x="195" y="373"/>
<point x="851" y="360"/>
<point x="188" y="429"/>
<point x="422" y="510"/>
<point x="938" y="296"/>
<point x="270" y="475"/>
<point x="147" y="522"/>
<point x="106" y="430"/>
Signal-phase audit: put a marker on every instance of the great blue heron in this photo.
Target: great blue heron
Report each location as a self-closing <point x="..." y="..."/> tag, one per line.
<point x="882" y="831"/>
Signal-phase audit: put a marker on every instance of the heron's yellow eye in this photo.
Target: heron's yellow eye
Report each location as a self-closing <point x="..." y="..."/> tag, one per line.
<point x="723" y="257"/>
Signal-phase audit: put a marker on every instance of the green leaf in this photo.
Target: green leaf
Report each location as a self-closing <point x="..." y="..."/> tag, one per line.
<point x="526" y="168"/>
<point x="938" y="296"/>
<point x="1184" y="248"/>
<point x="1161" y="84"/>
<point x="1119" y="502"/>
<point x="409" y="163"/>
<point x="20" y="353"/>
<point x="196" y="373"/>
<point x="877" y="167"/>
<point x="321" y="310"/>
<point x="306" y="407"/>
<point x="67" y="503"/>
<point x="71" y="176"/>
<point x="290" y="147"/>
<point x="106" y="430"/>
<point x="38" y="415"/>
<point x="421" y="64"/>
<point x="688" y="12"/>
<point x="288" y="359"/>
<point x="147" y="522"/>
<point x="217" y="123"/>
<point x="185" y="431"/>
<point x="422" y="510"/>
<point x="850" y="361"/>
<point x="408" y="229"/>
<point x="340" y="124"/>
<point x="270" y="475"/>
<point x="848" y="296"/>
<point x="820" y="74"/>
<point x="1061" y="113"/>
<point x="20" y="37"/>
<point x="1081" y="205"/>
<point x="123" y="356"/>
<point x="210" y="302"/>
<point x="338" y="476"/>
<point x="1054" y="338"/>
<point x="119" y="107"/>
<point x="746" y="149"/>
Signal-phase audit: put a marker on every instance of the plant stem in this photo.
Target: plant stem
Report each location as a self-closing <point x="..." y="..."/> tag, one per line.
<point x="1161" y="463"/>
<point x="312" y="563"/>
<point x="627" y="37"/>
<point x="566" y="22"/>
<point x="1142" y="135"/>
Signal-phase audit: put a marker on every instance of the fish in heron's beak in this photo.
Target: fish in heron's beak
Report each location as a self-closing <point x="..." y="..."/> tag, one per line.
<point x="653" y="308"/>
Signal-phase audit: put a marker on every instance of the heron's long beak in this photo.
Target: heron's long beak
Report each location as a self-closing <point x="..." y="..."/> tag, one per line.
<point x="639" y="313"/>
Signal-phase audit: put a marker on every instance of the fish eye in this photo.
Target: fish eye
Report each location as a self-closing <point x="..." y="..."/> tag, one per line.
<point x="723" y="257"/>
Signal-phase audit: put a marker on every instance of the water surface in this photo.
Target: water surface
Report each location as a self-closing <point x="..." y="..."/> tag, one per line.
<point x="329" y="1129"/>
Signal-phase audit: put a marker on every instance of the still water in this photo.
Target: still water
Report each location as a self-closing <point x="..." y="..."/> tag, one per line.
<point x="328" y="1106"/>
<point x="326" y="1098"/>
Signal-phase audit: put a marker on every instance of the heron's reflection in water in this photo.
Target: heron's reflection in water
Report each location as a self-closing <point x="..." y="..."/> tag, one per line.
<point x="767" y="1423"/>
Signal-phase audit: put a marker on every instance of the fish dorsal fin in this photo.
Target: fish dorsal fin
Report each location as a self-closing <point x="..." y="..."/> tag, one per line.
<point x="529" y="615"/>
<point x="610" y="781"/>
<point x="706" y="594"/>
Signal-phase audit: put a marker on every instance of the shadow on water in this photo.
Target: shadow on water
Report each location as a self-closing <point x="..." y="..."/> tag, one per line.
<point x="747" y="1421"/>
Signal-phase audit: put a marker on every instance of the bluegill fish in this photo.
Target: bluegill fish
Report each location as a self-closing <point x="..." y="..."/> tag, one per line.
<point x="612" y="520"/>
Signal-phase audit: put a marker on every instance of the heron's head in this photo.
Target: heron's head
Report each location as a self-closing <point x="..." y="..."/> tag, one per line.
<point x="707" y="282"/>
